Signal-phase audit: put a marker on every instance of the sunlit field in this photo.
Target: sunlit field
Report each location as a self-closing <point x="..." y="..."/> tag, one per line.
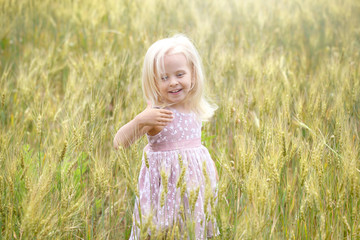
<point x="285" y="138"/>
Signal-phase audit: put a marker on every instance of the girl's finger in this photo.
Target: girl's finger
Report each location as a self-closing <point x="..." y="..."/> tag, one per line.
<point x="148" y="104"/>
<point x="161" y="124"/>
<point x="167" y="116"/>
<point x="167" y="120"/>
<point x="166" y="111"/>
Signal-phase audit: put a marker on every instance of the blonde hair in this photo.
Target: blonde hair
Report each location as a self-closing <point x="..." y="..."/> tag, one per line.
<point x="154" y="65"/>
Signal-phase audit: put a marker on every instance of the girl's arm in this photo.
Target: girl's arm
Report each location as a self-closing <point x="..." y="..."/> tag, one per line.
<point x="143" y="123"/>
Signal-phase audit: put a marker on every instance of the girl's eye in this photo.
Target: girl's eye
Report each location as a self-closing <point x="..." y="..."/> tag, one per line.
<point x="180" y="74"/>
<point x="164" y="78"/>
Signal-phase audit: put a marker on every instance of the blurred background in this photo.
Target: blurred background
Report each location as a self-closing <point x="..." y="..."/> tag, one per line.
<point x="285" y="139"/>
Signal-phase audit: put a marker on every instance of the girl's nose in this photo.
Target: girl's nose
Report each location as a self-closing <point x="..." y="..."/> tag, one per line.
<point x="173" y="81"/>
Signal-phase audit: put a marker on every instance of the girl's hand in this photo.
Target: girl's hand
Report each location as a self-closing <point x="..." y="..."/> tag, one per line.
<point x="152" y="117"/>
<point x="149" y="120"/>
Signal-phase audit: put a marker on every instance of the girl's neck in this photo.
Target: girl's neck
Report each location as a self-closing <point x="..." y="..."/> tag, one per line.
<point x="180" y="109"/>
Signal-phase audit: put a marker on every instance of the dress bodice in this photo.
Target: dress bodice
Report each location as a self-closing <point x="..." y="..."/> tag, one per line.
<point x="184" y="131"/>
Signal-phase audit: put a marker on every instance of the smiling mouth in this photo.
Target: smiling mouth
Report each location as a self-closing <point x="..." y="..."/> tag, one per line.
<point x="175" y="91"/>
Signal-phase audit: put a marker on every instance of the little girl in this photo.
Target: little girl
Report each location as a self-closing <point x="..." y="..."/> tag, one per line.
<point x="178" y="178"/>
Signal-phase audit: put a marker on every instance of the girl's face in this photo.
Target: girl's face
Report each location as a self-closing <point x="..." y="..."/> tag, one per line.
<point x="176" y="81"/>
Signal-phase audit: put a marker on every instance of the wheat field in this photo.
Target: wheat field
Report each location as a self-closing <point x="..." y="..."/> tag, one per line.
<point x="285" y="138"/>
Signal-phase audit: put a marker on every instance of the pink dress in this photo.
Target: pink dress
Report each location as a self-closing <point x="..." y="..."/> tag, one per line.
<point x="177" y="182"/>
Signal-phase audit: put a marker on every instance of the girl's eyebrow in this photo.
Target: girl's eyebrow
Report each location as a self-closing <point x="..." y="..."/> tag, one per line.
<point x="180" y="70"/>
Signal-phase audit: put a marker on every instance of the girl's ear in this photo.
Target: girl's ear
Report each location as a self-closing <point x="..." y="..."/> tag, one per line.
<point x="192" y="83"/>
<point x="193" y="77"/>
